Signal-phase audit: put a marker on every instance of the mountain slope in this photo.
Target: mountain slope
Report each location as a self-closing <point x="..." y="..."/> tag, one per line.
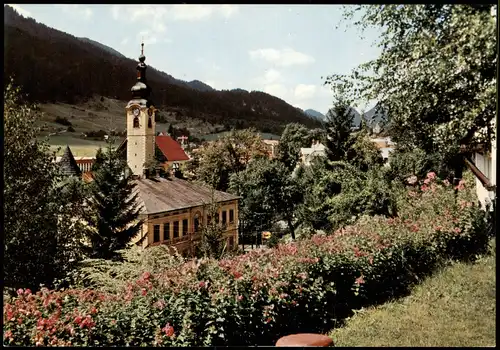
<point x="315" y="114"/>
<point x="376" y="115"/>
<point x="53" y="66"/>
<point x="102" y="46"/>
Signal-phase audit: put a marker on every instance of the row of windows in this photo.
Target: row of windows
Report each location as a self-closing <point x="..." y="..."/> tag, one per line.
<point x="185" y="226"/>
<point x="167" y="231"/>
<point x="224" y="217"/>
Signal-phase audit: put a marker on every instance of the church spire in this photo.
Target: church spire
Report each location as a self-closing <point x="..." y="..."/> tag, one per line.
<point x="141" y="90"/>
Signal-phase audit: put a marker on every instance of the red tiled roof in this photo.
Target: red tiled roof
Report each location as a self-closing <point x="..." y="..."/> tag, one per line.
<point x="171" y="149"/>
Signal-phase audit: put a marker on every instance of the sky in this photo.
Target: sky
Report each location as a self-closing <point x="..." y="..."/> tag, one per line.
<point x="283" y="50"/>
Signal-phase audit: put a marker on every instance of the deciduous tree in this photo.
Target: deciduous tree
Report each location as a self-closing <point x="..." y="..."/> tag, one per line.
<point x="269" y="194"/>
<point x="436" y="74"/>
<point x="294" y="137"/>
<point x="41" y="234"/>
<point x="228" y="155"/>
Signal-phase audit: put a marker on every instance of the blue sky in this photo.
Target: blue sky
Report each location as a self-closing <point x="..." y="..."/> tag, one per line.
<point x="280" y="49"/>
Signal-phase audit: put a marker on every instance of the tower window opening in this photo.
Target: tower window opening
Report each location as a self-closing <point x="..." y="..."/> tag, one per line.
<point x="150" y="123"/>
<point x="136" y="122"/>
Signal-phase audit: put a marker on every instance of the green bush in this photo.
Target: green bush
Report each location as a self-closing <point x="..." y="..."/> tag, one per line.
<point x="255" y="298"/>
<point x="63" y="121"/>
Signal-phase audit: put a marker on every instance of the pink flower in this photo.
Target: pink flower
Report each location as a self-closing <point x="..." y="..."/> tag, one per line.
<point x="202" y="284"/>
<point x="461" y="185"/>
<point x="427" y="181"/>
<point x="20" y="291"/>
<point x="240" y="297"/>
<point x="458" y="230"/>
<point x="360" y="280"/>
<point x="144" y="291"/>
<point x="146" y="275"/>
<point x="168" y="330"/>
<point x="431" y="175"/>
<point x="424" y="188"/>
<point x="27" y="291"/>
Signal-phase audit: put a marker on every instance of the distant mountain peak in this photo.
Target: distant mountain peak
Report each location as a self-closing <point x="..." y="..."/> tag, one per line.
<point x="315" y="114"/>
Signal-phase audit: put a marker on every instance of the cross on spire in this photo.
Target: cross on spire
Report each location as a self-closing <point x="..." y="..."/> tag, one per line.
<point x="142" y="46"/>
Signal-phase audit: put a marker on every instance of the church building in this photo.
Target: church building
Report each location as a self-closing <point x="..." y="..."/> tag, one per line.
<point x="173" y="210"/>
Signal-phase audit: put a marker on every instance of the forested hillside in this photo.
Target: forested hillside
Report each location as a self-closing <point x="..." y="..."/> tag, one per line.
<point x="52" y="67"/>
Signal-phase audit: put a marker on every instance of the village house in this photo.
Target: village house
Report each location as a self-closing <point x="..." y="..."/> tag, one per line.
<point x="173" y="210"/>
<point x="385" y="145"/>
<point x="484" y="164"/>
<point x="272" y="147"/>
<point x="308" y="154"/>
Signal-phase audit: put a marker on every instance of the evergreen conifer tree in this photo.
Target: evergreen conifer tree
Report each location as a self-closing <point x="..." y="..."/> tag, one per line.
<point x="113" y="214"/>
<point x="338" y="125"/>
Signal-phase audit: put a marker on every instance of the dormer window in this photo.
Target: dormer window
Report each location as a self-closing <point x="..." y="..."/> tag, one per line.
<point x="136" y="122"/>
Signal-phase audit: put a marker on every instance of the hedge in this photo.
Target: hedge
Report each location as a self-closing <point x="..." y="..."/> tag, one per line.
<point x="255" y="298"/>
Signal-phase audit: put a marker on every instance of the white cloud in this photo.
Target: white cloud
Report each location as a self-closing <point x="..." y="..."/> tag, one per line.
<point x="20" y="10"/>
<point x="156" y="17"/>
<point x="278" y="90"/>
<point x="303" y="91"/>
<point x="272" y="76"/>
<point x="156" y="13"/>
<point x="284" y="58"/>
<point x="79" y="11"/>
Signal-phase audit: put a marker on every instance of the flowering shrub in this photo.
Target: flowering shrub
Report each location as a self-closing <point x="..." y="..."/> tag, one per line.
<point x="257" y="297"/>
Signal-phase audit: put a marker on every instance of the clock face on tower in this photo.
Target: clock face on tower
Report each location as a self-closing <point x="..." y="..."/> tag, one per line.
<point x="136" y="112"/>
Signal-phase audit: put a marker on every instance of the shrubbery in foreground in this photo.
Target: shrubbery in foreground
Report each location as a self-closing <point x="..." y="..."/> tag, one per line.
<point x="257" y="297"/>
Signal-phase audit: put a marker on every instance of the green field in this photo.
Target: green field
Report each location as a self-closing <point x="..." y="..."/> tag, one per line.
<point x="100" y="114"/>
<point x="455" y="307"/>
<point x="263" y="135"/>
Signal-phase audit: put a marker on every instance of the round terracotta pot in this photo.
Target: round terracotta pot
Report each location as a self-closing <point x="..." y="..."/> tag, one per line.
<point x="305" y="339"/>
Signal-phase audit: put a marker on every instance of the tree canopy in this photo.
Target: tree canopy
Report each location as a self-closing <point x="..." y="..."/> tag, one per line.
<point x="435" y="76"/>
<point x="42" y="236"/>
<point x="228" y="155"/>
<point x="269" y="194"/>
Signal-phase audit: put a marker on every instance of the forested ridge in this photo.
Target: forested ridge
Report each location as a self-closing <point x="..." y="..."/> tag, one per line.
<point x="53" y="66"/>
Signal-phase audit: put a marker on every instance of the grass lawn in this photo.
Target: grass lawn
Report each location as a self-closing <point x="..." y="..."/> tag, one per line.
<point x="454" y="307"/>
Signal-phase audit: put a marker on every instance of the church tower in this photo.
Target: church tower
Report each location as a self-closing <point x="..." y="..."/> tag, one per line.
<point x="140" y="122"/>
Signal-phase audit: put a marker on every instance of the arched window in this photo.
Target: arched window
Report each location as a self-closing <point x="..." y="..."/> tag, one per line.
<point x="150" y="123"/>
<point x="136" y="122"/>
